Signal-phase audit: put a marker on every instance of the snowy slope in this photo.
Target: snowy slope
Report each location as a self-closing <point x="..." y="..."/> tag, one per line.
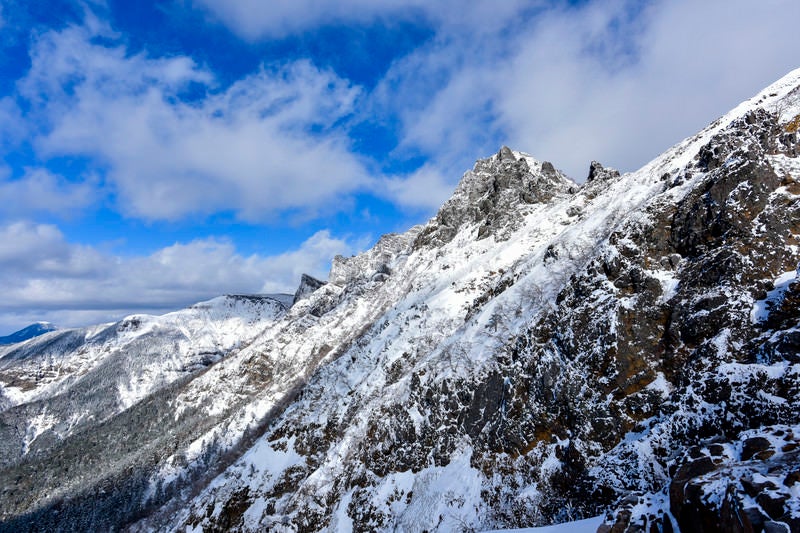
<point x="439" y="329"/>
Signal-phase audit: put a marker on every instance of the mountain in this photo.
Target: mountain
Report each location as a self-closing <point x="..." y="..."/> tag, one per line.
<point x="28" y="332"/>
<point x="64" y="385"/>
<point x="539" y="351"/>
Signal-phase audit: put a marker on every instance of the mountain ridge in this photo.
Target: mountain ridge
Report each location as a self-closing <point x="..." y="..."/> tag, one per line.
<point x="28" y="332"/>
<point x="538" y="351"/>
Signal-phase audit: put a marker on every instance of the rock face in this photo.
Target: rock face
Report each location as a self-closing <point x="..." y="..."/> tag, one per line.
<point x="598" y="172"/>
<point x="308" y="284"/>
<point x="375" y="264"/>
<point x="751" y="489"/>
<point x="496" y="194"/>
<point x="747" y="484"/>
<point x="537" y="352"/>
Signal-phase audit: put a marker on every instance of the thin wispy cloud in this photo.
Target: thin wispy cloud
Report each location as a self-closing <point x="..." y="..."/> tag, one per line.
<point x="256" y="20"/>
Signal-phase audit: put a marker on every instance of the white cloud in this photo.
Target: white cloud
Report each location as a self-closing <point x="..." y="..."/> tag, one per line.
<point x="41" y="191"/>
<point x="613" y="80"/>
<point x="48" y="278"/>
<point x="564" y="97"/>
<point x="425" y="189"/>
<point x="30" y="251"/>
<point x="267" y="144"/>
<point x="618" y="81"/>
<point x="313" y="257"/>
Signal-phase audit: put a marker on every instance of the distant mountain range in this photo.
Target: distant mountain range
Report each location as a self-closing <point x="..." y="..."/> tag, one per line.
<point x="626" y="349"/>
<point x="28" y="332"/>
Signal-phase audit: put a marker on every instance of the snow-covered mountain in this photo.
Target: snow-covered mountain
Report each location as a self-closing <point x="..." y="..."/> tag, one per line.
<point x="537" y="352"/>
<point x="67" y="382"/>
<point x="28" y="332"/>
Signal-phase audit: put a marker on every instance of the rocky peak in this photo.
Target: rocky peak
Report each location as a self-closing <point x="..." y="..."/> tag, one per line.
<point x="493" y="196"/>
<point x="308" y="284"/>
<point x="599" y="172"/>
<point x="505" y="155"/>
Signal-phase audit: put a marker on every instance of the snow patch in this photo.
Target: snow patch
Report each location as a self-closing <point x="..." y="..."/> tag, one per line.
<point x="588" y="525"/>
<point x="37" y="425"/>
<point x="761" y="308"/>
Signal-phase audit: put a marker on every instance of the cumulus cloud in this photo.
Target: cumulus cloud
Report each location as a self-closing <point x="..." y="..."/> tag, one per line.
<point x="171" y="145"/>
<point x="31" y="251"/>
<point x="622" y="85"/>
<point x="45" y="277"/>
<point x="492" y="73"/>
<point x="613" y="80"/>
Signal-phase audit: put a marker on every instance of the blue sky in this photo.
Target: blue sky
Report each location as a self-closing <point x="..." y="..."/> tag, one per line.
<point x="154" y="154"/>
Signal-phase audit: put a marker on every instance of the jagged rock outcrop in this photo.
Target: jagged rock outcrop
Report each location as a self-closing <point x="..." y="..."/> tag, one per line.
<point x="748" y="484"/>
<point x="536" y="352"/>
<point x="599" y="172"/>
<point x="308" y="284"/>
<point x="493" y="195"/>
<point x="374" y="264"/>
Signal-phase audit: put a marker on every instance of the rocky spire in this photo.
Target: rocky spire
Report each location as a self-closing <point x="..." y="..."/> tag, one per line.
<point x="598" y="171"/>
<point x="505" y="155"/>
<point x="308" y="284"/>
<point x="494" y="196"/>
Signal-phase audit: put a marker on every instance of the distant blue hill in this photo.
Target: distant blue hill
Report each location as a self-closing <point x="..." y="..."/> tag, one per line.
<point x="29" y="332"/>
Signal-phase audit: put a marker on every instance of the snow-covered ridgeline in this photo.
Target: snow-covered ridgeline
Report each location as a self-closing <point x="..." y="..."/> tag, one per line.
<point x="129" y="359"/>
